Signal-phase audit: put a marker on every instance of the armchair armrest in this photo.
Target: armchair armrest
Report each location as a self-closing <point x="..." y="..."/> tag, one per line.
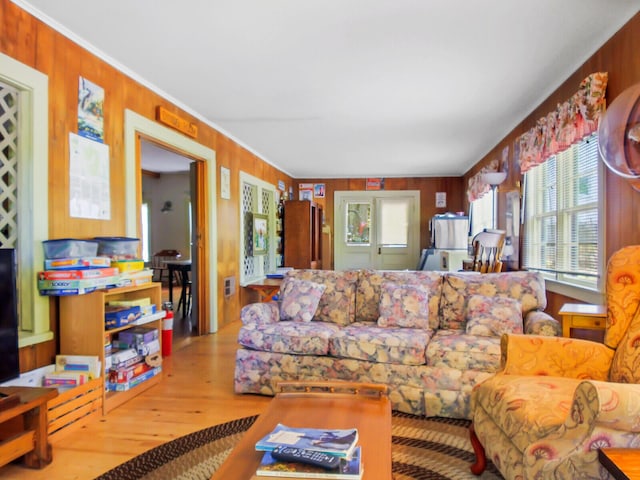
<point x="260" y="313"/>
<point x="540" y="323"/>
<point x="555" y="356"/>
<point x="598" y="410"/>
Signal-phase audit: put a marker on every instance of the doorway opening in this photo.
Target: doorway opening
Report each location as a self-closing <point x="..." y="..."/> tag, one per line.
<point x="203" y="185"/>
<point x="166" y="229"/>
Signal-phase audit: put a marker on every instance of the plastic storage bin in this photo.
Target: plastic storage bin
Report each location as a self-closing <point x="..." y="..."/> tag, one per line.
<point x="69" y="248"/>
<point x="118" y="248"/>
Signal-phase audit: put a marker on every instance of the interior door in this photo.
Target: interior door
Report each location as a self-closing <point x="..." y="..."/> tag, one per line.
<point x="379" y="230"/>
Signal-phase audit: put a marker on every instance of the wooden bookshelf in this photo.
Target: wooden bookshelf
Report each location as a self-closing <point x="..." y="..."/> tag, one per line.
<point x="83" y="331"/>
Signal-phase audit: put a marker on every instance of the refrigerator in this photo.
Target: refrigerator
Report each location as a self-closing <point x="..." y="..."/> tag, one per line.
<point x="449" y="243"/>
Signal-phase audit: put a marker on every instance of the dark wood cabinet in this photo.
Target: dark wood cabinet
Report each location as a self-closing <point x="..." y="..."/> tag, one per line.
<point x="302" y="234"/>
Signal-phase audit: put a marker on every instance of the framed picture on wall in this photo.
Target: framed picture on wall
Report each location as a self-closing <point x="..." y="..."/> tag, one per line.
<point x="260" y="224"/>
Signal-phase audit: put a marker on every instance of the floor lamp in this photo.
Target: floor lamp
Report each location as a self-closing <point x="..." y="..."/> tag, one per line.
<point x="494" y="179"/>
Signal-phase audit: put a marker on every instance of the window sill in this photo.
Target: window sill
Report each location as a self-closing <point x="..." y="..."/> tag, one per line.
<point x="26" y="339"/>
<point x="583" y="294"/>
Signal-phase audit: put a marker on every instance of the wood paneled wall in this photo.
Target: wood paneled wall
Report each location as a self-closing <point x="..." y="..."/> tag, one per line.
<point x="428" y="186"/>
<point x="619" y="57"/>
<point x="35" y="44"/>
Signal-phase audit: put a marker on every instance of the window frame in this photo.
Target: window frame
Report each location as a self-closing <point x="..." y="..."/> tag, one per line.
<point x="260" y="269"/>
<point x="555" y="281"/>
<point x="33" y="189"/>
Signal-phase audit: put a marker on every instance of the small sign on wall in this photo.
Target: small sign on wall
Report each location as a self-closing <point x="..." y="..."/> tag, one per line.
<point x="441" y="199"/>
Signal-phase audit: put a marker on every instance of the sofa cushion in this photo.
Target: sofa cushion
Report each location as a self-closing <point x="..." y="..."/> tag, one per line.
<point x="493" y="316"/>
<point x="300" y="299"/>
<point x="403" y="305"/>
<point x="526" y="287"/>
<point x="306" y="338"/>
<point x="338" y="302"/>
<point x="368" y="292"/>
<point x="367" y="341"/>
<point x="455" y="349"/>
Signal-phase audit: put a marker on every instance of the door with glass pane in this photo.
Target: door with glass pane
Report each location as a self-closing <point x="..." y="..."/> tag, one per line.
<point x="380" y="231"/>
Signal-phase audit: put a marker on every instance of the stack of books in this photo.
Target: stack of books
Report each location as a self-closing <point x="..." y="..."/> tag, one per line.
<point x="342" y="444"/>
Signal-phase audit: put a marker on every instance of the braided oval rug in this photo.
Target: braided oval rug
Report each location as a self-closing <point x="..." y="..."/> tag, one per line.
<point x="422" y="448"/>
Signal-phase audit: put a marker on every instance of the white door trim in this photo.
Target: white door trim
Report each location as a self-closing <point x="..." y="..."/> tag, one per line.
<point x="134" y="124"/>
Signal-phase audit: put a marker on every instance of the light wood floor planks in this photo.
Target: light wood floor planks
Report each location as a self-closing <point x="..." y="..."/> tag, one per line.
<point x="196" y="392"/>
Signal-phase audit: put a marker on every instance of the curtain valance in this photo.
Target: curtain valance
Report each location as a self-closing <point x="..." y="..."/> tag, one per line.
<point x="569" y="123"/>
<point x="477" y="188"/>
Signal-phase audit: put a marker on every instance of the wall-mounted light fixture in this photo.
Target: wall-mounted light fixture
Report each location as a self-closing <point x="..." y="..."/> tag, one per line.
<point x="494" y="179"/>
<point x="167" y="207"/>
<point x="619" y="136"/>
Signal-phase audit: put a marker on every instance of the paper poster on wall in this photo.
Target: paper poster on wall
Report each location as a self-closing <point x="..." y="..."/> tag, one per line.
<point x="441" y="199"/>
<point x="225" y="183"/>
<point x="89" y="194"/>
<point x="305" y="191"/>
<point x="90" y="110"/>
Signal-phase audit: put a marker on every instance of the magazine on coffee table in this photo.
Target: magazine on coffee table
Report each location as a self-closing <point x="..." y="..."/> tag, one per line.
<point x="340" y="443"/>
<point x="348" y="470"/>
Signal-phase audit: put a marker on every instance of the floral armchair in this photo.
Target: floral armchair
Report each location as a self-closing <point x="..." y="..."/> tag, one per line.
<point x="558" y="400"/>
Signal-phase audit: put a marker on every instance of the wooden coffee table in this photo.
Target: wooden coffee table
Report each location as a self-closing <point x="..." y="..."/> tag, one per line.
<point x="322" y="405"/>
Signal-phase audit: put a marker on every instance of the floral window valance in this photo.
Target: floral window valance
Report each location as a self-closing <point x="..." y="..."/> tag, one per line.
<point x="477" y="188"/>
<point x="569" y="123"/>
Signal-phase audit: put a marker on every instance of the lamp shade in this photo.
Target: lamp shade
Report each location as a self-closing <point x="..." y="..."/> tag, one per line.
<point x="494" y="178"/>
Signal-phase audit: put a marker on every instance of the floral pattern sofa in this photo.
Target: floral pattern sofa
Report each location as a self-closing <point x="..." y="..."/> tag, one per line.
<point x="429" y="336"/>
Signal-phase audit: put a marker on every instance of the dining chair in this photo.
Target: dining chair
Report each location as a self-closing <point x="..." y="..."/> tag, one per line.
<point x="157" y="263"/>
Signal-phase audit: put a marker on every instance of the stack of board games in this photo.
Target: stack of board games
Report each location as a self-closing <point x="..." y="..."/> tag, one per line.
<point x="134" y="357"/>
<point x="63" y="281"/>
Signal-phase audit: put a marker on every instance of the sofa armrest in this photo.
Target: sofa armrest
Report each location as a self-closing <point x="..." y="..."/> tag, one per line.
<point x="555" y="356"/>
<point x="541" y="323"/>
<point x="260" y="313"/>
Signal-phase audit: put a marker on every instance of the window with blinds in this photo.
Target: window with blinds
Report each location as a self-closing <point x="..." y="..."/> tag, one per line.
<point x="482" y="213"/>
<point x="562" y="227"/>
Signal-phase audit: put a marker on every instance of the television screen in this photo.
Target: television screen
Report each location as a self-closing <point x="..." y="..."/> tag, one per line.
<point x="9" y="366"/>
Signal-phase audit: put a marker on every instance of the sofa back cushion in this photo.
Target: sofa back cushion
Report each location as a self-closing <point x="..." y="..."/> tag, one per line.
<point x="300" y="299"/>
<point x="403" y="305"/>
<point x="526" y="287"/>
<point x="337" y="304"/>
<point x="493" y="316"/>
<point x="368" y="291"/>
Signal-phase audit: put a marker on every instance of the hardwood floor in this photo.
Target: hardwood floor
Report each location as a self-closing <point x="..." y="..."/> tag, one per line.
<point x="196" y="392"/>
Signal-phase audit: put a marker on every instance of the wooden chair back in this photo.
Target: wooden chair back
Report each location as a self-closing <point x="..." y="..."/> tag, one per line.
<point x="487" y="251"/>
<point x="157" y="262"/>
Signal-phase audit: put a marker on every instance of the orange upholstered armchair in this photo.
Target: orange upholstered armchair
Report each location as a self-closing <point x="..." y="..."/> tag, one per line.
<point x="558" y="400"/>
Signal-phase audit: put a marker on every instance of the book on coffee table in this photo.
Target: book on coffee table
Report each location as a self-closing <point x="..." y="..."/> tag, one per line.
<point x="349" y="469"/>
<point x="340" y="443"/>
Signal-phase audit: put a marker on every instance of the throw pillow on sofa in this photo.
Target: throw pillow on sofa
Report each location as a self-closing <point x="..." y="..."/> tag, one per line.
<point x="403" y="306"/>
<point x="300" y="299"/>
<point x="493" y="316"/>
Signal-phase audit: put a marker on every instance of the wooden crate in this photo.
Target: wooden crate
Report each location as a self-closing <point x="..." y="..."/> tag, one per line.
<point x="74" y="408"/>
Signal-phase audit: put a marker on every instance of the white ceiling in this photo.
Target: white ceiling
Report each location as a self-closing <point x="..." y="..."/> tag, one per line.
<point x="348" y="88"/>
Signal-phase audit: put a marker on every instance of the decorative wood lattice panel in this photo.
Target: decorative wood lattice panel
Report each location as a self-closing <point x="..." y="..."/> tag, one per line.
<point x="8" y="166"/>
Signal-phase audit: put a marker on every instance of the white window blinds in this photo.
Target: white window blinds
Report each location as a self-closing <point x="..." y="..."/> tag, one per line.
<point x="562" y="224"/>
